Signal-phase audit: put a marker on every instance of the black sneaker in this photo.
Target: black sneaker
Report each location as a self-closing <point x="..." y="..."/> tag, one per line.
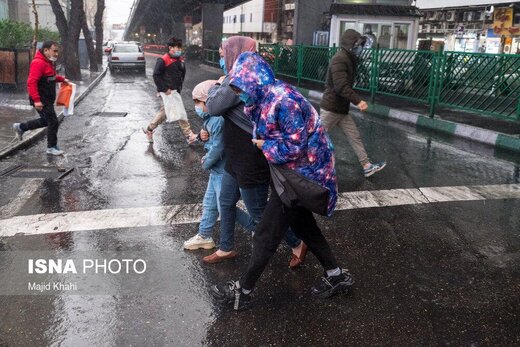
<point x="229" y="294"/>
<point x="331" y="285"/>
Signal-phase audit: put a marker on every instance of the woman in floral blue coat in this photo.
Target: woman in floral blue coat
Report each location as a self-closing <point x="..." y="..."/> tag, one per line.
<point x="288" y="130"/>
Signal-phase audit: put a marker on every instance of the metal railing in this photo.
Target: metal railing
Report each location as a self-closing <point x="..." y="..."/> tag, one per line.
<point x="211" y="56"/>
<point x="488" y="84"/>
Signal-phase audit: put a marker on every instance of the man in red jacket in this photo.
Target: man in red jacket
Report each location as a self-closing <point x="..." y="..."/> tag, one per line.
<point x="41" y="86"/>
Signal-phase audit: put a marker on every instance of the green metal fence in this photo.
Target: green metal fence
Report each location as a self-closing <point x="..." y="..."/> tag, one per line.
<point x="488" y="84"/>
<point x="211" y="56"/>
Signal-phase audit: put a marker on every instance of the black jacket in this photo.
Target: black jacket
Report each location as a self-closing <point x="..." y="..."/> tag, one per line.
<point x="341" y="76"/>
<point x="169" y="73"/>
<point x="245" y="162"/>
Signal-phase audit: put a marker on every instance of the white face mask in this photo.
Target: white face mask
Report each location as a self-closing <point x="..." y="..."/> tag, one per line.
<point x="53" y="59"/>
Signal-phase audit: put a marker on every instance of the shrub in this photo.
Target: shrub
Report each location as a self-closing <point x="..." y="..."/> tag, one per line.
<point x="20" y="35"/>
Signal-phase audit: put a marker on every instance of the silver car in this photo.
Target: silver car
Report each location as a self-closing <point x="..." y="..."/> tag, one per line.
<point x="126" y="56"/>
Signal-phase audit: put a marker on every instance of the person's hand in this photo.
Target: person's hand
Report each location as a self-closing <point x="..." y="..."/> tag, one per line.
<point x="258" y="143"/>
<point x="204" y="135"/>
<point x="38" y="105"/>
<point x="158" y="94"/>
<point x="221" y="79"/>
<point x="168" y="92"/>
<point x="363" y="106"/>
<point x="203" y="159"/>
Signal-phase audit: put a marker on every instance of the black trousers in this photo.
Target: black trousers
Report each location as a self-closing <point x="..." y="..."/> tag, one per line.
<point x="271" y="230"/>
<point x="49" y="119"/>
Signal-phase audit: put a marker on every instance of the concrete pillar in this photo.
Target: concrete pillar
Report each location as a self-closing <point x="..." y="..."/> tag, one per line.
<point x="307" y="19"/>
<point x="212" y="22"/>
<point x="179" y="31"/>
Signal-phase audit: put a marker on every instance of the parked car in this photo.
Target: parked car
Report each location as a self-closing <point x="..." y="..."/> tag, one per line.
<point x="126" y="56"/>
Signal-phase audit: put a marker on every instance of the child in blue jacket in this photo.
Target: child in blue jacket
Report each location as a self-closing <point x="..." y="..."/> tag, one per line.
<point x="214" y="161"/>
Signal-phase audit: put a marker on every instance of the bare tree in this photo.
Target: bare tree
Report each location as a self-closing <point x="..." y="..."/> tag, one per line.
<point x="90" y="45"/>
<point x="69" y="32"/>
<point x="36" y="27"/>
<point x="98" y="21"/>
<point x="90" y="11"/>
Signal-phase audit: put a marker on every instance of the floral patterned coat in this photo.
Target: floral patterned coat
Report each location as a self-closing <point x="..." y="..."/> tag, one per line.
<point x="287" y="122"/>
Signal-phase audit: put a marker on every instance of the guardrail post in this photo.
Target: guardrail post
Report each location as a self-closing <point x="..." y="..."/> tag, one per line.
<point x="276" y="58"/>
<point x="518" y="111"/>
<point x="436" y="74"/>
<point x="374" y="72"/>
<point x="299" y="72"/>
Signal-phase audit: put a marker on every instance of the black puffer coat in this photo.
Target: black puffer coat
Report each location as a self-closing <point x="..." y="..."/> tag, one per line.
<point x="341" y="76"/>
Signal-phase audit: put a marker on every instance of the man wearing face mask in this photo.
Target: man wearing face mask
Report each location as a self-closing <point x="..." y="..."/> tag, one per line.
<point x="339" y="93"/>
<point x="168" y="75"/>
<point x="41" y="86"/>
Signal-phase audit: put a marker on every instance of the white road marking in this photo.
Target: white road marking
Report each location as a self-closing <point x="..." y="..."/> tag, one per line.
<point x="191" y="213"/>
<point x="27" y="190"/>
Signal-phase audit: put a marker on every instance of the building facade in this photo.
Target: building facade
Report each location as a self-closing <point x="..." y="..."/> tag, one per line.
<point x="395" y="24"/>
<point x="491" y="28"/>
<point x="19" y="11"/>
<point x="320" y="22"/>
<point x="46" y="17"/>
<point x="4" y="9"/>
<point x="256" y="18"/>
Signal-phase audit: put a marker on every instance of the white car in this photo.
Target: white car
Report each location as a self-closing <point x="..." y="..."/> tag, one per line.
<point x="126" y="56"/>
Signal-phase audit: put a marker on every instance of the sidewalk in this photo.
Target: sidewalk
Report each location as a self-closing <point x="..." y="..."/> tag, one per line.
<point x="15" y="108"/>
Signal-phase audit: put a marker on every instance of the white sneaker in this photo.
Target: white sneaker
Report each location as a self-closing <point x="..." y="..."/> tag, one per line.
<point x="55" y="151"/>
<point x="18" y="131"/>
<point x="198" y="241"/>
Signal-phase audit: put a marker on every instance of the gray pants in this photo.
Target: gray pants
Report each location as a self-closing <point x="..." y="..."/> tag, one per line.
<point x="160" y="117"/>
<point x="348" y="126"/>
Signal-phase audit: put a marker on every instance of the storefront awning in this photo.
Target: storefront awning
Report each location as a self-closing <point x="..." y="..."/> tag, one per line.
<point x="375" y="10"/>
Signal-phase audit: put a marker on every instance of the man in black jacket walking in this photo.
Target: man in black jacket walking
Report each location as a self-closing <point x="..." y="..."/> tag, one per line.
<point x="338" y="95"/>
<point x="168" y="76"/>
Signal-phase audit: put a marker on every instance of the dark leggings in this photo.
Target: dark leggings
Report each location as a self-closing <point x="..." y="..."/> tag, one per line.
<point x="271" y="230"/>
<point x="47" y="119"/>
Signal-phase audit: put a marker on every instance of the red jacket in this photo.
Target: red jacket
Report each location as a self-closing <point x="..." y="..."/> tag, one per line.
<point x="41" y="84"/>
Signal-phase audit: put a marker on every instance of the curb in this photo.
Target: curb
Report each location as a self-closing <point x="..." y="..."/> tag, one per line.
<point x="36" y="135"/>
<point x="493" y="138"/>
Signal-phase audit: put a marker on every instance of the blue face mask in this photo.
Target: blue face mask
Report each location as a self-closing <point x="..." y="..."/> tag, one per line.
<point x="222" y="63"/>
<point x="357" y="50"/>
<point x="246" y="99"/>
<point x="176" y="54"/>
<point x="200" y="111"/>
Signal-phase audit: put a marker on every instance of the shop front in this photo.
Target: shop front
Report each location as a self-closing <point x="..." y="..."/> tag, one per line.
<point x="393" y="26"/>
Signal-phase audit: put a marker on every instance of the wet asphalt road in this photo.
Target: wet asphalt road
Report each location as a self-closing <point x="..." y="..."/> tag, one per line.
<point x="433" y="274"/>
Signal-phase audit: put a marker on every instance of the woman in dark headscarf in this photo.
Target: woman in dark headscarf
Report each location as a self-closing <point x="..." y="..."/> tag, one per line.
<point x="246" y="172"/>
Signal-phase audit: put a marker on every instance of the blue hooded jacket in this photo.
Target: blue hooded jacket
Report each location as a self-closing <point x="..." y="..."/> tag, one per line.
<point x="287" y="122"/>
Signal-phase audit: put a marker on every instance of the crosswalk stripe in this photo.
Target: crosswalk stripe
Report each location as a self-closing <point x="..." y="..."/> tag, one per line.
<point x="191" y="213"/>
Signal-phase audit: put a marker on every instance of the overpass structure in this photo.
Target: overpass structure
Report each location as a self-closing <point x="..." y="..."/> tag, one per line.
<point x="161" y="19"/>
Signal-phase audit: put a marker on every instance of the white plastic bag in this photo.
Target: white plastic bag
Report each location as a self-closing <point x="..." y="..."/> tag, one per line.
<point x="174" y="107"/>
<point x="69" y="111"/>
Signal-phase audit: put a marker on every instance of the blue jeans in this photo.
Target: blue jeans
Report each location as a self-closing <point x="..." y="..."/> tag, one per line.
<point x="211" y="208"/>
<point x="254" y="198"/>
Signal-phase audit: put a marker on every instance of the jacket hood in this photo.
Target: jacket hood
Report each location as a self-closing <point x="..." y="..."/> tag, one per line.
<point x="252" y="75"/>
<point x="39" y="55"/>
<point x="348" y="38"/>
